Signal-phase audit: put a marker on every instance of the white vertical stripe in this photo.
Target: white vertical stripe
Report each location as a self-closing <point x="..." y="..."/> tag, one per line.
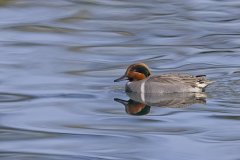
<point x="143" y="91"/>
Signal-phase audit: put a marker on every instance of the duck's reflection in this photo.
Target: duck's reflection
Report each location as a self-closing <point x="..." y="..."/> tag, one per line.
<point x="133" y="107"/>
<point x="139" y="104"/>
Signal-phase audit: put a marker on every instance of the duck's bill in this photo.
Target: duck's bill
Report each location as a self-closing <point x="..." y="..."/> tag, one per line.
<point x="121" y="79"/>
<point x="124" y="102"/>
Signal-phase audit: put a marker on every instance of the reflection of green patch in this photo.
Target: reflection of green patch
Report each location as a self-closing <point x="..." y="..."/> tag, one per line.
<point x="5" y="2"/>
<point x="144" y="111"/>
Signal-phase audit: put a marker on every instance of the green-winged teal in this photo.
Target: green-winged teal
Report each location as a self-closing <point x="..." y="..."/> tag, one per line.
<point x="142" y="81"/>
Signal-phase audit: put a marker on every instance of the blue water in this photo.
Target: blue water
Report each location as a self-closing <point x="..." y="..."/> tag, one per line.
<point x="58" y="60"/>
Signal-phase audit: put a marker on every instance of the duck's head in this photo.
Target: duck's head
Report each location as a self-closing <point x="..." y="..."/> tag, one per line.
<point x="135" y="72"/>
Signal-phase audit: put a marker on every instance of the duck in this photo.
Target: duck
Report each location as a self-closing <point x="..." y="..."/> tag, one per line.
<point x="141" y="80"/>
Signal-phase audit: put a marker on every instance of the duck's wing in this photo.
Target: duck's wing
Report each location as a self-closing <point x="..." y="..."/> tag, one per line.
<point x="190" y="80"/>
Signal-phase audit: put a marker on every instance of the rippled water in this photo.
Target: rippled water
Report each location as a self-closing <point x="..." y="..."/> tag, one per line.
<point x="58" y="60"/>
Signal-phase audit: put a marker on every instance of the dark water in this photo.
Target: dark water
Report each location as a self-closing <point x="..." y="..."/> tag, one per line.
<point x="58" y="60"/>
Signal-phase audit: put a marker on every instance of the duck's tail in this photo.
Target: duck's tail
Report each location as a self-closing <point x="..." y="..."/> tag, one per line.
<point x="202" y="81"/>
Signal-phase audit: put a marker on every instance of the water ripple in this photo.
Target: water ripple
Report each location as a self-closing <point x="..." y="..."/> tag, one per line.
<point x="59" y="59"/>
<point x="14" y="97"/>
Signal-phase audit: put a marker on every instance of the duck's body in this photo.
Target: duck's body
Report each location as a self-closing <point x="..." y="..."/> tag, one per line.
<point x="141" y="81"/>
<point x="169" y="83"/>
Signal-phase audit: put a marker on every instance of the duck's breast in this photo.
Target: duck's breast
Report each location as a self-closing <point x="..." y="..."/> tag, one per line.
<point x="136" y="86"/>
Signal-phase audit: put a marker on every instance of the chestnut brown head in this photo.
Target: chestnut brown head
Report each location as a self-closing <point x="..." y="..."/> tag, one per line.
<point x="135" y="72"/>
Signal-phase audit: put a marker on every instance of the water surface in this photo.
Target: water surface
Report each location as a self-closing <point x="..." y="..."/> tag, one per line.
<point x="58" y="60"/>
